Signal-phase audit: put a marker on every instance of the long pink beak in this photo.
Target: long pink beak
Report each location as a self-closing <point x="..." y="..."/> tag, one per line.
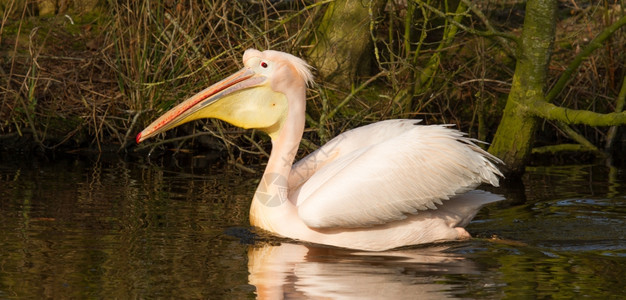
<point x="242" y="79"/>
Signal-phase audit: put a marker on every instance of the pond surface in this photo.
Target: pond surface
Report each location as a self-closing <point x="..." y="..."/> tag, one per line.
<point x="75" y="227"/>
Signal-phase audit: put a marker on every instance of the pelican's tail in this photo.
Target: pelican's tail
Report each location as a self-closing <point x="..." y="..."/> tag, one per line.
<point x="465" y="206"/>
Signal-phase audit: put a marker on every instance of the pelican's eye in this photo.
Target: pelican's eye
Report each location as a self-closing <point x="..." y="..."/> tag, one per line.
<point x="263" y="64"/>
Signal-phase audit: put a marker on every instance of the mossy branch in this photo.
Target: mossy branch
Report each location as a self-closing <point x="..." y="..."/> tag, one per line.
<point x="551" y="149"/>
<point x="596" y="43"/>
<point x="581" y="140"/>
<point x="552" y="112"/>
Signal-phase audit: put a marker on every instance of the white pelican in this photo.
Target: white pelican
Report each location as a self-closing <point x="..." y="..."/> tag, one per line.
<point x="385" y="185"/>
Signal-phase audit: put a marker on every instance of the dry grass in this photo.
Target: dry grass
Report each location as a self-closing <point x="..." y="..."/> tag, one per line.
<point x="93" y="77"/>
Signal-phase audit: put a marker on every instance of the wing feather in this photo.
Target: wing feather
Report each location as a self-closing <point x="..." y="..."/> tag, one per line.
<point x="384" y="181"/>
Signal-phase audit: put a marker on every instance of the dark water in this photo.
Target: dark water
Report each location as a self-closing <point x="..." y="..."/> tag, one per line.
<point x="110" y="228"/>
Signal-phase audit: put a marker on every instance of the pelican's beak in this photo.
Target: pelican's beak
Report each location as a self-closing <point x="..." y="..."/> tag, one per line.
<point x="196" y="106"/>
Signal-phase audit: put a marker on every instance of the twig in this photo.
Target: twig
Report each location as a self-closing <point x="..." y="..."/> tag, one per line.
<point x="165" y="141"/>
<point x="619" y="107"/>
<point x="470" y="30"/>
<point x="242" y="167"/>
<point x="593" y="45"/>
<point x="484" y="80"/>
<point x="249" y="139"/>
<point x="579" y="138"/>
<point x="501" y="40"/>
<point x="351" y="95"/>
<point x="130" y="128"/>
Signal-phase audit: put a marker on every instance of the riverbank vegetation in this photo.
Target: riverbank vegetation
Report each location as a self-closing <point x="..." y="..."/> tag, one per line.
<point x="91" y="74"/>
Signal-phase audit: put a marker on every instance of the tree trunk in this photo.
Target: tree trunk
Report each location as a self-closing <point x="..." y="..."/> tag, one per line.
<point x="514" y="138"/>
<point x="342" y="39"/>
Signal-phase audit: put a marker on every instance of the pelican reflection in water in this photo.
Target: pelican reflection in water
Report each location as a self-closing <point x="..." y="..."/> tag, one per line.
<point x="294" y="271"/>
<point x="381" y="186"/>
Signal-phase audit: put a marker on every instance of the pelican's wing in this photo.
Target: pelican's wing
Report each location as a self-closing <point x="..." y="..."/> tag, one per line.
<point x="345" y="144"/>
<point x="383" y="182"/>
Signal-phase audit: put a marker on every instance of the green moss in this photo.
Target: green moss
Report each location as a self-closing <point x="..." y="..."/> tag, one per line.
<point x="513" y="140"/>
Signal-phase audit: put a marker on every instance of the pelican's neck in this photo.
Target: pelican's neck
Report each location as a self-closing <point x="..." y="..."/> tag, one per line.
<point x="282" y="157"/>
<point x="271" y="194"/>
<point x="285" y="144"/>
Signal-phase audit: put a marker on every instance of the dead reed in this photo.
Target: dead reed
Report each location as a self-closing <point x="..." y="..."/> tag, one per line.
<point x="93" y="76"/>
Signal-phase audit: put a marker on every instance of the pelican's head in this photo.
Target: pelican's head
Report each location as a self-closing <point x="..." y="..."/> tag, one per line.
<point x="257" y="96"/>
